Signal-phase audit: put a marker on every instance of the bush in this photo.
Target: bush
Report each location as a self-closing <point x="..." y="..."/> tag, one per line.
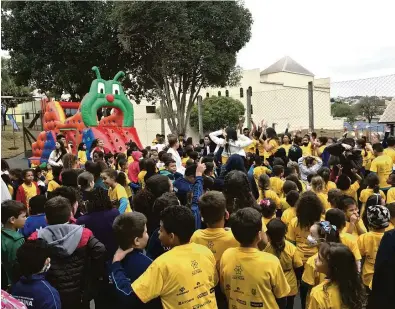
<point x="218" y="112"/>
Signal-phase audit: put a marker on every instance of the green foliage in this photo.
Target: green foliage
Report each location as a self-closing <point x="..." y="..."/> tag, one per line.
<point x="218" y="112"/>
<point x="54" y="44"/>
<point x="370" y="107"/>
<point x="341" y="110"/>
<point x="179" y="47"/>
<point x="9" y="86"/>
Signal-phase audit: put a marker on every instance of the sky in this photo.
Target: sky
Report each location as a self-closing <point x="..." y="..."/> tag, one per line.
<point x="340" y="39"/>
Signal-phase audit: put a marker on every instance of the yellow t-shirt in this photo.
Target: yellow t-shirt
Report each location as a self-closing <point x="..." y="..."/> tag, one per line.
<point x="252" y="147"/>
<point x="183" y="277"/>
<point x="274" y="149"/>
<point x="261" y="149"/>
<point x="269" y="194"/>
<point x="330" y="185"/>
<point x="216" y="239"/>
<point x="382" y="165"/>
<point x="391" y="195"/>
<point x="284" y="204"/>
<point x="288" y="215"/>
<point x="289" y="259"/>
<point x="326" y="295"/>
<point x="310" y="275"/>
<point x="49" y="176"/>
<point x="368" y="244"/>
<point x="390" y="227"/>
<point x="276" y="185"/>
<point x="286" y="147"/>
<point x="306" y="150"/>
<point x="391" y="153"/>
<point x="324" y="200"/>
<point x="127" y="188"/>
<point x="352" y="191"/>
<point x="117" y="193"/>
<point x="140" y="177"/>
<point x="366" y="193"/>
<point x="299" y="236"/>
<point x="321" y="149"/>
<point x="243" y="284"/>
<point x="184" y="161"/>
<point x="30" y="191"/>
<point x="52" y="185"/>
<point x="258" y="171"/>
<point x="355" y="232"/>
<point x="367" y="158"/>
<point x="130" y="159"/>
<point x="264" y="228"/>
<point x="351" y="242"/>
<point x="82" y="156"/>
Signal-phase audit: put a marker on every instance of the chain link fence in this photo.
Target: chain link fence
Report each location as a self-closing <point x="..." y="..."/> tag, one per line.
<point x="366" y="105"/>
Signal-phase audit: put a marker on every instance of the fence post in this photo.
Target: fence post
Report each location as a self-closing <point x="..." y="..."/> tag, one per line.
<point x="162" y="116"/>
<point x="249" y="94"/>
<point x="200" y="116"/>
<point x="24" y="135"/>
<point x="311" y="106"/>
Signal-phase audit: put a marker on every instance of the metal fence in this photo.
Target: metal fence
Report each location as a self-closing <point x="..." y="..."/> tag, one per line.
<point x="369" y="104"/>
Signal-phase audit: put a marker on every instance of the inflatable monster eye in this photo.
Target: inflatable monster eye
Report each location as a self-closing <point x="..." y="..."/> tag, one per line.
<point x="100" y="87"/>
<point x="115" y="89"/>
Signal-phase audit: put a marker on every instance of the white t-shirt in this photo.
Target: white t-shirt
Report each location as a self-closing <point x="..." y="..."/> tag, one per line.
<point x="176" y="157"/>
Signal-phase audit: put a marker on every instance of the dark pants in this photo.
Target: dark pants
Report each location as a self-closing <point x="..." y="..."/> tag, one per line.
<point x="303" y="290"/>
<point x="290" y="302"/>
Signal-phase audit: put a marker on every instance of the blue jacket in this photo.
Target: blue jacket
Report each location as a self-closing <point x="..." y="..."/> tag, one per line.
<point x="36" y="292"/>
<point x="181" y="188"/>
<point x="33" y="223"/>
<point x="133" y="266"/>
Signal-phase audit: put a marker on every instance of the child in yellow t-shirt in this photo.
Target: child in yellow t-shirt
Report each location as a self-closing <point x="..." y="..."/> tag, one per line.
<point x="27" y="189"/>
<point x="318" y="187"/>
<point x="261" y="167"/>
<point x="55" y="182"/>
<point x="290" y="259"/>
<point x="123" y="166"/>
<point x="290" y="213"/>
<point x="333" y="197"/>
<point x="276" y="182"/>
<point x="212" y="207"/>
<point x="116" y="192"/>
<point x="287" y="187"/>
<point x="354" y="223"/>
<point x="268" y="209"/>
<point x="238" y="266"/>
<point x="368" y="243"/>
<point x="82" y="154"/>
<point x="344" y="184"/>
<point x="372" y="189"/>
<point x="336" y="261"/>
<point x="391" y="191"/>
<point x="264" y="192"/>
<point x="325" y="173"/>
<point x="310" y="210"/>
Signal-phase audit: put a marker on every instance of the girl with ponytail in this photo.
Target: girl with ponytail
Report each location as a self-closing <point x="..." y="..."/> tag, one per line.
<point x="290" y="258"/>
<point x="325" y="173"/>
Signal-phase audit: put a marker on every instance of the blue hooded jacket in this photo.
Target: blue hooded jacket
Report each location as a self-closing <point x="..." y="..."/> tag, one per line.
<point x="36" y="292"/>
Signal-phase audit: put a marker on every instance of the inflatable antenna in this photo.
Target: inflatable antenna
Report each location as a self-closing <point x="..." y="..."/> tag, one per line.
<point x="118" y="75"/>
<point x="96" y="70"/>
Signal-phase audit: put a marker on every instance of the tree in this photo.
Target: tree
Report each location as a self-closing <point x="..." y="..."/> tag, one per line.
<point x="218" y="112"/>
<point x="53" y="45"/>
<point x="176" y="48"/>
<point x="370" y="107"/>
<point x="342" y="110"/>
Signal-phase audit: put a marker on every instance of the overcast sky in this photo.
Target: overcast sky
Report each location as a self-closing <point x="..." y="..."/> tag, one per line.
<point x="341" y="39"/>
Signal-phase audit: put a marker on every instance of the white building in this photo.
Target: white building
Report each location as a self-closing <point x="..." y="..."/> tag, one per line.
<point x="280" y="96"/>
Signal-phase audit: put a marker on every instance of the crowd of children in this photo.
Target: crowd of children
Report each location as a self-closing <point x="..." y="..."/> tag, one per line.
<point x="245" y="218"/>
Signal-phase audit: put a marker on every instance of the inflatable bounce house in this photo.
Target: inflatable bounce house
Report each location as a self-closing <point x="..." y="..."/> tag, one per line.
<point x="115" y="130"/>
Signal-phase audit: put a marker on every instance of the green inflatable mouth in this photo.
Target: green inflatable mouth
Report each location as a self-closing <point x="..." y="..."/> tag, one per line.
<point x="106" y="94"/>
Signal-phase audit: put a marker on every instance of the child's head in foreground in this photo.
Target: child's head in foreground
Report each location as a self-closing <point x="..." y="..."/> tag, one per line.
<point x="308" y="209"/>
<point x="212" y="207"/>
<point x="36" y="204"/>
<point x="57" y="210"/>
<point x="268" y="208"/>
<point x="378" y="217"/>
<point x="246" y="226"/>
<point x="33" y="257"/>
<point x="348" y="205"/>
<point x="130" y="230"/>
<point x="177" y="225"/>
<point x="13" y="214"/>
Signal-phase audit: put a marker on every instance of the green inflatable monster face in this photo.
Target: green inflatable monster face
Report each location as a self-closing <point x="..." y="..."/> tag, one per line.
<point x="106" y="93"/>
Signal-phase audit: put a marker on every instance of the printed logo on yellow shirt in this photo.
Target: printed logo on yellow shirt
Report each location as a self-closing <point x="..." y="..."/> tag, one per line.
<point x="239" y="273"/>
